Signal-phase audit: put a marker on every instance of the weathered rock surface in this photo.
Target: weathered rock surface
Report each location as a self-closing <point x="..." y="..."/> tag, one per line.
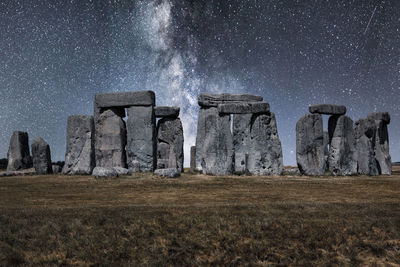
<point x="342" y="159"/>
<point x="242" y="142"/>
<point x="79" y="156"/>
<point x="141" y="144"/>
<point x="217" y="148"/>
<point x="244" y="108"/>
<point x="104" y="172"/>
<point x="328" y="109"/>
<point x="211" y="100"/>
<point x="30" y="171"/>
<point x="170" y="144"/>
<point x="41" y="156"/>
<point x="292" y="171"/>
<point x="111" y="138"/>
<point x="266" y="150"/>
<point x="326" y="149"/>
<point x="125" y="99"/>
<point x="18" y="152"/>
<point x="364" y="134"/>
<point x="121" y="171"/>
<point x="170" y="172"/>
<point x="311" y="145"/>
<point x="192" y="158"/>
<point x="166" y="112"/>
<point x="201" y="133"/>
<point x="55" y="168"/>
<point x="381" y="143"/>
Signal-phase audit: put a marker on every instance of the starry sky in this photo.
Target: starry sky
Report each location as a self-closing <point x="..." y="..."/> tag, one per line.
<point x="56" y="54"/>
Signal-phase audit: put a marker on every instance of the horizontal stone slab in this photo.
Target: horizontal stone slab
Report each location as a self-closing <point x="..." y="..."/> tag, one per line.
<point x="328" y="109"/>
<point x="244" y="108"/>
<point x="125" y="99"/>
<point x="166" y="112"/>
<point x="210" y="100"/>
<point x="380" y="116"/>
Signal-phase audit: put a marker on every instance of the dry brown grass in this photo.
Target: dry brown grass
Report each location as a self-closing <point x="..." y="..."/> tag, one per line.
<point x="200" y="220"/>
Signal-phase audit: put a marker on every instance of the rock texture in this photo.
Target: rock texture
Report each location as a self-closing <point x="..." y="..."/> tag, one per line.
<point x="121" y="171"/>
<point x="210" y="100"/>
<point x="79" y="157"/>
<point x="55" y="168"/>
<point x="170" y="144"/>
<point x="166" y="112"/>
<point x="201" y="133"/>
<point x="244" y="108"/>
<point x="328" y="109"/>
<point x="125" y="99"/>
<point x="192" y="158"/>
<point x="141" y="143"/>
<point x="111" y="138"/>
<point x="170" y="172"/>
<point x="242" y="142"/>
<point x="104" y="172"/>
<point x="381" y="142"/>
<point x="41" y="156"/>
<point x="18" y="153"/>
<point x="342" y="159"/>
<point x="217" y="148"/>
<point x="311" y="145"/>
<point x="364" y="134"/>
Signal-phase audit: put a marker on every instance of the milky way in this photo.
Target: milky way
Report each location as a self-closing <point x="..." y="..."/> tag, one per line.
<point x="55" y="55"/>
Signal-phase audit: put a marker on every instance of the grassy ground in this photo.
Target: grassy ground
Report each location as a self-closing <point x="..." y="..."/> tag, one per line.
<point x="200" y="220"/>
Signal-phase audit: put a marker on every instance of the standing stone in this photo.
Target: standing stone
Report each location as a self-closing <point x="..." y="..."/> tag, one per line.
<point x="381" y="146"/>
<point x="217" y="148"/>
<point x="192" y="158"/>
<point x="18" y="153"/>
<point x="364" y="134"/>
<point x="201" y="133"/>
<point x="342" y="157"/>
<point x="79" y="157"/>
<point x="326" y="149"/>
<point x="265" y="156"/>
<point x="111" y="138"/>
<point x="170" y="144"/>
<point x="41" y="156"/>
<point x="141" y="145"/>
<point x="311" y="145"/>
<point x="241" y="141"/>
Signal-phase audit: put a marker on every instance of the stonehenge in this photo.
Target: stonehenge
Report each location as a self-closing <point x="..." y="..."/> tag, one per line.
<point x="346" y="149"/>
<point x="41" y="157"/>
<point x="18" y="155"/>
<point x="253" y="145"/>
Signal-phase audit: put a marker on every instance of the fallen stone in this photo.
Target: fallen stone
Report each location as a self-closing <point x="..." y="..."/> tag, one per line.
<point x="125" y="99"/>
<point x="217" y="148"/>
<point x="30" y="171"/>
<point x="170" y="143"/>
<point x="121" y="171"/>
<point x="18" y="153"/>
<point x="110" y="141"/>
<point x="311" y="145"/>
<point x="56" y="168"/>
<point x="244" y="108"/>
<point x="380" y="116"/>
<point x="170" y="173"/>
<point x="192" y="158"/>
<point x="328" y="109"/>
<point x="141" y="144"/>
<point x="79" y="156"/>
<point x="342" y="159"/>
<point x="211" y="100"/>
<point x="166" y="112"/>
<point x="292" y="171"/>
<point x="103" y="172"/>
<point x="41" y="156"/>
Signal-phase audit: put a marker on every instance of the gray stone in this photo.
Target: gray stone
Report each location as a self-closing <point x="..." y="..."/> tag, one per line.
<point x="18" y="153"/>
<point x="265" y="157"/>
<point x="217" y="148"/>
<point x="292" y="171"/>
<point x="30" y="171"/>
<point x="328" y="109"/>
<point x="104" y="172"/>
<point x="170" y="144"/>
<point x="192" y="158"/>
<point x="121" y="171"/>
<point x="364" y="134"/>
<point x="380" y="116"/>
<point x="110" y="139"/>
<point x="342" y="159"/>
<point x="381" y="146"/>
<point x="241" y="141"/>
<point x="125" y="99"/>
<point x="210" y="100"/>
<point x="56" y="168"/>
<point x="141" y="145"/>
<point x="326" y="149"/>
<point x="170" y="172"/>
<point x="79" y="156"/>
<point x="166" y="112"/>
<point x="311" y="145"/>
<point x="41" y="156"/>
<point x="244" y="108"/>
<point x="201" y="133"/>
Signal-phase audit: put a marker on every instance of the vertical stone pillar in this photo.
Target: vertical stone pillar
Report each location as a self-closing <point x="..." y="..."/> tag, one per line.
<point x="241" y="141"/>
<point x="18" y="152"/>
<point x="381" y="142"/>
<point x="192" y="158"/>
<point x="364" y="134"/>
<point x="41" y="156"/>
<point x="201" y="132"/>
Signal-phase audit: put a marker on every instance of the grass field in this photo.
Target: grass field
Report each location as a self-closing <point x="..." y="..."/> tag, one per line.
<point x="200" y="220"/>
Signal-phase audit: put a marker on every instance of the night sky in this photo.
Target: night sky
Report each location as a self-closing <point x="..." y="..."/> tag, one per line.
<point x="56" y="54"/>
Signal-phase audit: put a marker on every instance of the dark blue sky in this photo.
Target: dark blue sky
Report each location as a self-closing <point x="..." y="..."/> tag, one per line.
<point x="55" y="55"/>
